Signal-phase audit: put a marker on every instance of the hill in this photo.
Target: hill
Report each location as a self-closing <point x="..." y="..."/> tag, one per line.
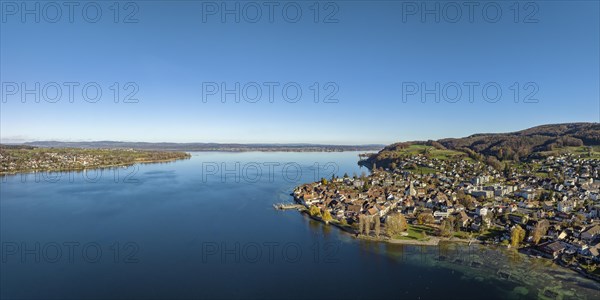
<point x="522" y="145"/>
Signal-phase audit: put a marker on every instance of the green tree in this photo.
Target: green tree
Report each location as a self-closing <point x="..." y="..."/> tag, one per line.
<point x="343" y="222"/>
<point x="314" y="211"/>
<point x="323" y="181"/>
<point x="327" y="216"/>
<point x="517" y="236"/>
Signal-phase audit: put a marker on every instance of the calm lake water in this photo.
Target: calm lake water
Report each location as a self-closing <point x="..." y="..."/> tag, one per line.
<point x="205" y="228"/>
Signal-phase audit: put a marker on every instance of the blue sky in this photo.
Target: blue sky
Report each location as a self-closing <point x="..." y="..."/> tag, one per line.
<point x="366" y="56"/>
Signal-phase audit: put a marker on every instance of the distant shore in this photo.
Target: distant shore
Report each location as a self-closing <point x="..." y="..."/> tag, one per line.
<point x="20" y="160"/>
<point x="109" y="166"/>
<point x="208" y="147"/>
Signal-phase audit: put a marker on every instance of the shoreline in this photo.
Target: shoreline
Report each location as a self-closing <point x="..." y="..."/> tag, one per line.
<point x="433" y="241"/>
<point x="21" y="172"/>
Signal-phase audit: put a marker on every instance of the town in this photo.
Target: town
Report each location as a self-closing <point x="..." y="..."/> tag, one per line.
<point x="546" y="207"/>
<point x="18" y="158"/>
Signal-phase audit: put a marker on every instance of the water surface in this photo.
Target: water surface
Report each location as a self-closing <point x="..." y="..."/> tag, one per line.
<point x="205" y="228"/>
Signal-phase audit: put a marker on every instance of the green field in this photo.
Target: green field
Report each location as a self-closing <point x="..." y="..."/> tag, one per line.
<point x="424" y="170"/>
<point x="414" y="149"/>
<point x="418" y="233"/>
<point x="583" y="151"/>
<point x="433" y="152"/>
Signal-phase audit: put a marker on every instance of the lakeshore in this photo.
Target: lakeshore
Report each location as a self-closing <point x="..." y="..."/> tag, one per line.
<point x="426" y="195"/>
<point x="21" y="159"/>
<point x="430" y="241"/>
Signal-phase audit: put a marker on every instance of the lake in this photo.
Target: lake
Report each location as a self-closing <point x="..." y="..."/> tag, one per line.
<point x="205" y="228"/>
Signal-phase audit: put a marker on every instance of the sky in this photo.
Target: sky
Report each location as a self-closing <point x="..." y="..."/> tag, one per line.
<point x="336" y="72"/>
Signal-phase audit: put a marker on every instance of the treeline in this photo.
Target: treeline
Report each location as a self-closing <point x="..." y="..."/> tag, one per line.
<point x="520" y="145"/>
<point x="495" y="148"/>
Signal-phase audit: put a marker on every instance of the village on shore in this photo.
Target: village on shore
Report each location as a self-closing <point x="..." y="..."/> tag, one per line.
<point x="548" y="207"/>
<point x="21" y="159"/>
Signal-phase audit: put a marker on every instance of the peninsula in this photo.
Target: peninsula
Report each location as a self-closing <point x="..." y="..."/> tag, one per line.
<point x="536" y="190"/>
<point x="21" y="159"/>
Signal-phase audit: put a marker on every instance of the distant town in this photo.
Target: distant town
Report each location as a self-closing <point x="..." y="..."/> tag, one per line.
<point x="546" y="207"/>
<point x="20" y="159"/>
<point x="225" y="147"/>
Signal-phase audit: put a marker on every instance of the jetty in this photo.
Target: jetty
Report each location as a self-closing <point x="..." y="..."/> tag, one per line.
<point x="286" y="206"/>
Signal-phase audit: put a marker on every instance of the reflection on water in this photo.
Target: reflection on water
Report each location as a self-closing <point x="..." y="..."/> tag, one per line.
<point x="516" y="275"/>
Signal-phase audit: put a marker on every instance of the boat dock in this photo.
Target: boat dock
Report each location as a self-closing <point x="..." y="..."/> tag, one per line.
<point x="285" y="206"/>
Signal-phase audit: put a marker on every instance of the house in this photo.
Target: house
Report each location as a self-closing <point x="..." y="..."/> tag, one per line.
<point x="441" y="214"/>
<point x="309" y="199"/>
<point x="482" y="194"/>
<point x="527" y="193"/>
<point x="590" y="233"/>
<point x="480" y="180"/>
<point x="482" y="211"/>
<point x="462" y="218"/>
<point x="518" y="218"/>
<point x="353" y="210"/>
<point x="531" y="224"/>
<point x="372" y="211"/>
<point x="551" y="249"/>
<point x="565" y="206"/>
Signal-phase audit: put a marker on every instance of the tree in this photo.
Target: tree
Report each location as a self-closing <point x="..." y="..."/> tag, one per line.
<point x="446" y="228"/>
<point x="361" y="223"/>
<point x="343" y="222"/>
<point x="424" y="218"/>
<point x="517" y="236"/>
<point x="467" y="201"/>
<point x="323" y="181"/>
<point x="395" y="224"/>
<point x="539" y="231"/>
<point x="367" y="225"/>
<point x="454" y="222"/>
<point x="493" y="161"/>
<point x="314" y="211"/>
<point x="327" y="216"/>
<point x="377" y="226"/>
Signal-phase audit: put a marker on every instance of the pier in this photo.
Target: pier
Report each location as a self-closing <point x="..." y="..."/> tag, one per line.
<point x="286" y="206"/>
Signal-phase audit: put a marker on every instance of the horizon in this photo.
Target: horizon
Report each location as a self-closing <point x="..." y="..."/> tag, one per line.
<point x="269" y="143"/>
<point x="397" y="77"/>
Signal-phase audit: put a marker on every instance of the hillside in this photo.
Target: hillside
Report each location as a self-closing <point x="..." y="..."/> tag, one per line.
<point x="514" y="146"/>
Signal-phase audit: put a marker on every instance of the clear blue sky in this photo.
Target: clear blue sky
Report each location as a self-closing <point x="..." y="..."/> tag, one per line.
<point x="368" y="54"/>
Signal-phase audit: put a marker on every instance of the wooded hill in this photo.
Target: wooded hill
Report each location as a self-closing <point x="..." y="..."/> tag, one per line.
<point x="522" y="145"/>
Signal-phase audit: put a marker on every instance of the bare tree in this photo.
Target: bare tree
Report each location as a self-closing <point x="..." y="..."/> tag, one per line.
<point x="361" y="224"/>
